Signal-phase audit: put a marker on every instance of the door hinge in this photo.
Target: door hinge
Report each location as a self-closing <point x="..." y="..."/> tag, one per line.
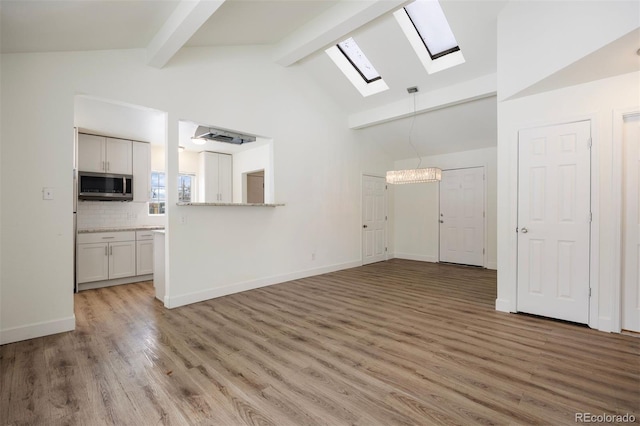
<point x="482" y="251"/>
<point x="590" y="217"/>
<point x="385" y="218"/>
<point x="589" y="143"/>
<point x="385" y="249"/>
<point x="516" y="229"/>
<point x="386" y="187"/>
<point x="589" y="291"/>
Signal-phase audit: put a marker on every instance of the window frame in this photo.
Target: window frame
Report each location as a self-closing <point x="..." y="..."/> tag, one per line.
<point x="356" y="67"/>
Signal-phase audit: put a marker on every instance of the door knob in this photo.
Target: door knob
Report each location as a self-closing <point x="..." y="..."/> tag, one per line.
<point x="524" y="230"/>
<point x="364" y="226"/>
<point x="442" y="221"/>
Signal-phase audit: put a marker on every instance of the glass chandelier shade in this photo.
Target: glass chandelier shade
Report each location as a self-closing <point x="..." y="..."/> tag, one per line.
<point x="428" y="174"/>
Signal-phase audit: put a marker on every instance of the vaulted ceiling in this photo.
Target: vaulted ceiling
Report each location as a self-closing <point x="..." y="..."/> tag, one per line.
<point x="298" y="32"/>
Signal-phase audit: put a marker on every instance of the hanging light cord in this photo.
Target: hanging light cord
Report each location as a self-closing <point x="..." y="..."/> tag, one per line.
<point x="413" y="120"/>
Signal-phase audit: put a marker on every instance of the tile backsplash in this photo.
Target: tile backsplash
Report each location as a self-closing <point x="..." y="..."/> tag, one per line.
<point x="107" y="214"/>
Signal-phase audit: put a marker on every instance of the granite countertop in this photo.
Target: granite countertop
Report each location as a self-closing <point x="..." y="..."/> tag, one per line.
<point x="120" y="229"/>
<point x="231" y="204"/>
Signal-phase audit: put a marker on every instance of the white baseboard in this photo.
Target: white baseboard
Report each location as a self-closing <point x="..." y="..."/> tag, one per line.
<point x="492" y="265"/>
<point x="38" y="329"/>
<point x="605" y="324"/>
<point x="503" y="305"/>
<point x="418" y="257"/>
<point x="118" y="281"/>
<point x="212" y="293"/>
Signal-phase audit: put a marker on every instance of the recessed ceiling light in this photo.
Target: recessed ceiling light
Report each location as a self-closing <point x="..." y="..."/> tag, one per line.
<point x="198" y="141"/>
<point x="180" y="148"/>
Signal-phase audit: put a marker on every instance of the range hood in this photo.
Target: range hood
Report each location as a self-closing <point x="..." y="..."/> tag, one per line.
<point x="210" y="134"/>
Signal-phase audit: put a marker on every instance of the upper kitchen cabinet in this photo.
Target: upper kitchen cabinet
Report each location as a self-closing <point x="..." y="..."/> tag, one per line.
<point x="141" y="172"/>
<point x="215" y="177"/>
<point x="104" y="155"/>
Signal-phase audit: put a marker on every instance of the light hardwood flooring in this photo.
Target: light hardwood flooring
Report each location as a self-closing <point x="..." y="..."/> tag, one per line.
<point x="393" y="343"/>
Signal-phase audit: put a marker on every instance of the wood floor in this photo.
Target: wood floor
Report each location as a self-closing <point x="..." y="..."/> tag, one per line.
<point x="393" y="343"/>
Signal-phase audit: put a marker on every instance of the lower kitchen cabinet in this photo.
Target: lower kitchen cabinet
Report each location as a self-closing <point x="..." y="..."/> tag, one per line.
<point x="92" y="262"/>
<point x="105" y="256"/>
<point x="144" y="252"/>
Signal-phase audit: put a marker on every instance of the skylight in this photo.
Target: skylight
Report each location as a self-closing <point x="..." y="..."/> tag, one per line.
<point x="353" y="63"/>
<point x="356" y="57"/>
<point x="425" y="26"/>
<point x="429" y="20"/>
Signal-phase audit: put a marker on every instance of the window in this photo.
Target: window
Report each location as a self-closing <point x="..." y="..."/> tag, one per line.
<point x="428" y="19"/>
<point x="425" y="26"/>
<point x="353" y="63"/>
<point x="352" y="52"/>
<point x="158" y="191"/>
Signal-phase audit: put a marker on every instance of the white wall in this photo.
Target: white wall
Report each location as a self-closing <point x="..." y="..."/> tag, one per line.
<point x="536" y="39"/>
<point x="539" y="38"/>
<point x="417" y="207"/>
<point x="218" y="250"/>
<point x="248" y="161"/>
<point x="595" y="101"/>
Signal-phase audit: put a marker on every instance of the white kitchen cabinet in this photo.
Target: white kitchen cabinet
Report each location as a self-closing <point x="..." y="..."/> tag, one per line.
<point x="141" y="172"/>
<point x="92" y="262"/>
<point x="122" y="259"/>
<point x="104" y="155"/>
<point x="105" y="256"/>
<point x="215" y="177"/>
<point x="144" y="252"/>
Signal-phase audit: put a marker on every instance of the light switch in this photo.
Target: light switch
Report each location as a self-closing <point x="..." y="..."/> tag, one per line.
<point x="47" y="193"/>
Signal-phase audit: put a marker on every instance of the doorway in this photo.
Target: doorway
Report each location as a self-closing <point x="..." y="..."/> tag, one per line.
<point x="554" y="221"/>
<point x="631" y="224"/>
<point x="374" y="219"/>
<point x="462" y="216"/>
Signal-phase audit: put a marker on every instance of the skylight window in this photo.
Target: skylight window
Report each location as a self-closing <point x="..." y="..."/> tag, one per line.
<point x="425" y="26"/>
<point x="353" y="63"/>
<point x="429" y="20"/>
<point x="351" y="50"/>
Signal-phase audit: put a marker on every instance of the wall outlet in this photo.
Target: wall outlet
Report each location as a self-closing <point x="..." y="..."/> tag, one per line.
<point x="183" y="219"/>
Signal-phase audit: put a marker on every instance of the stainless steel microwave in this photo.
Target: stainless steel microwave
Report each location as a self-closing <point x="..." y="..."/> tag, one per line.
<point x="105" y="187"/>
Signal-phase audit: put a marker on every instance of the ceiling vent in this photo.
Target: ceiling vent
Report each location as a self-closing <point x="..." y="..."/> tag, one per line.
<point x="210" y="134"/>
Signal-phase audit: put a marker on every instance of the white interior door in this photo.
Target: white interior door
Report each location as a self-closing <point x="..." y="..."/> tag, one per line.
<point x="462" y="216"/>
<point x="631" y="225"/>
<point x="554" y="221"/>
<point x="374" y="219"/>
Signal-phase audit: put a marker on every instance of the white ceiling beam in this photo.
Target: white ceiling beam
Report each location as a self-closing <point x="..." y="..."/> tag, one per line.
<point x="329" y="27"/>
<point x="479" y="88"/>
<point x="185" y="20"/>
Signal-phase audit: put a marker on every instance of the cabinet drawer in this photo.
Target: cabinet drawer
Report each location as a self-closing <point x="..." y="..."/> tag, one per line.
<point x="144" y="235"/>
<point x="106" y="237"/>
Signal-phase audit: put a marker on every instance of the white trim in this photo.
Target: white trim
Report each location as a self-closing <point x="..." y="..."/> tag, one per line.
<point x="418" y="257"/>
<point x="503" y="305"/>
<point x="37" y="329"/>
<point x="614" y="324"/>
<point x="118" y="281"/>
<point x="199" y="296"/>
<point x="492" y="265"/>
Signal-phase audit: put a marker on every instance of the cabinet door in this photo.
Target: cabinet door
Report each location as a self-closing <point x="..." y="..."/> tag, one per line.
<point x="91" y="153"/>
<point x="144" y="257"/>
<point x="119" y="156"/>
<point x="141" y="172"/>
<point x="225" y="176"/>
<point x="92" y="262"/>
<point x="122" y="259"/>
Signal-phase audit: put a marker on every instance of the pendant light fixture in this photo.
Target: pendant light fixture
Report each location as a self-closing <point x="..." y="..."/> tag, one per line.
<point x="417" y="175"/>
